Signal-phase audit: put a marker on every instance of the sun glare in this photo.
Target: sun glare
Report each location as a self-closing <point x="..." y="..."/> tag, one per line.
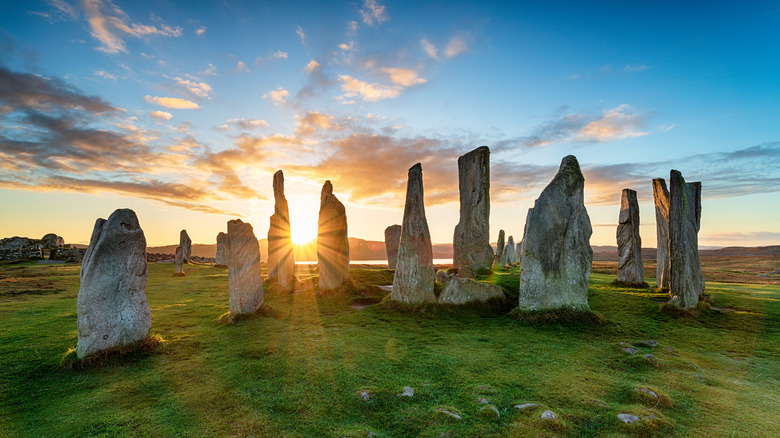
<point x="303" y="220"/>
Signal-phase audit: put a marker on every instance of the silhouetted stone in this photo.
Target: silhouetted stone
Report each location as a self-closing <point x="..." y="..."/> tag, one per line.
<point x="415" y="276"/>
<point x="52" y="240"/>
<point x="630" y="268"/>
<point x="178" y="260"/>
<point x="686" y="283"/>
<point x="244" y="276"/>
<point x="332" y="241"/>
<point x="111" y="306"/>
<point x="220" y="259"/>
<point x="499" y="249"/>
<point x="392" y="240"/>
<point x="186" y="245"/>
<point x="281" y="265"/>
<point x="471" y="243"/>
<point x="465" y="290"/>
<point x="661" y="199"/>
<point x="557" y="256"/>
<point x="508" y="255"/>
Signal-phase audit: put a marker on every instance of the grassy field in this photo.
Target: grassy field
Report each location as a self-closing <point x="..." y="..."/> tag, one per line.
<point x="299" y="370"/>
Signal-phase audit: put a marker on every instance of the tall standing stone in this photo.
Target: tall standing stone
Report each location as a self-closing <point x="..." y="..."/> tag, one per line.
<point x="661" y="199"/>
<point x="186" y="244"/>
<point x="415" y="276"/>
<point x="111" y="306"/>
<point x="178" y="259"/>
<point x="471" y="243"/>
<point x="220" y="259"/>
<point x="281" y="265"/>
<point x="630" y="267"/>
<point x="557" y="256"/>
<point x="332" y="241"/>
<point x="518" y="251"/>
<point x="245" y="279"/>
<point x="392" y="240"/>
<point x="508" y="255"/>
<point x="499" y="249"/>
<point x="686" y="283"/>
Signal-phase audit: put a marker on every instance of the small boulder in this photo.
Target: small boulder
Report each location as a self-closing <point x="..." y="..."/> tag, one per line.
<point x="628" y="418"/>
<point x="525" y="406"/>
<point x="466" y="290"/>
<point x="408" y="391"/>
<point x="549" y="415"/>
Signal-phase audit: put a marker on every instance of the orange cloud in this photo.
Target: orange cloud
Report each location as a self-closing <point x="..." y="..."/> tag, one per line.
<point x="172" y="102"/>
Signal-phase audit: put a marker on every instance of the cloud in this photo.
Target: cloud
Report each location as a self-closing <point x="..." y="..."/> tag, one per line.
<point x="194" y="88"/>
<point x="105" y="75"/>
<point x="109" y="24"/>
<point x="278" y="96"/>
<point x="374" y="13"/>
<point x="172" y="102"/>
<point x="311" y="122"/>
<point x="276" y="55"/>
<point x="162" y="115"/>
<point x="347" y="47"/>
<point x="280" y="55"/>
<point x="454" y="47"/>
<point x="404" y="77"/>
<point x="241" y="68"/>
<point x="760" y="236"/>
<point x="616" y="123"/>
<point x="369" y="92"/>
<point x="30" y="91"/>
<point x="64" y="8"/>
<point x="200" y="31"/>
<point x="301" y="35"/>
<point x="311" y="66"/>
<point x="429" y="49"/>
<point x="211" y="70"/>
<point x="246" y="124"/>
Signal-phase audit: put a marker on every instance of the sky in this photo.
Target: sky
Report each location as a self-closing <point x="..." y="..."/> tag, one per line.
<point x="183" y="111"/>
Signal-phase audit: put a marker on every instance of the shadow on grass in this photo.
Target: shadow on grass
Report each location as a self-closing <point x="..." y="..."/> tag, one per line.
<point x="557" y="316"/>
<point x="136" y="350"/>
<point x="265" y="311"/>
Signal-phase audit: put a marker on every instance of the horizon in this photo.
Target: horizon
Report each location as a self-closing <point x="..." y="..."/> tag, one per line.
<point x="183" y="112"/>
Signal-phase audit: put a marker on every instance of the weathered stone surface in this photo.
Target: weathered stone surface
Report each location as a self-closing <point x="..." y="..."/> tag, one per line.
<point x="111" y="306"/>
<point x="186" y="245"/>
<point x="661" y="199"/>
<point x="178" y="260"/>
<point x="75" y="255"/>
<point x="20" y="248"/>
<point x="392" y="240"/>
<point x="628" y="418"/>
<point x="332" y="241"/>
<point x="686" y="283"/>
<point x="500" y="243"/>
<point x="52" y="240"/>
<point x="281" y="265"/>
<point x="518" y="251"/>
<point x="471" y="243"/>
<point x="220" y="259"/>
<point x="465" y="290"/>
<point x="508" y="255"/>
<point x="556" y="249"/>
<point x="442" y="276"/>
<point x="414" y="277"/>
<point x="244" y="275"/>
<point x="549" y="415"/>
<point x="630" y="267"/>
<point x="525" y="406"/>
<point x="522" y="241"/>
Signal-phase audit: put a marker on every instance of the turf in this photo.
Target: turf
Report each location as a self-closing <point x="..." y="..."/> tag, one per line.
<point x="299" y="368"/>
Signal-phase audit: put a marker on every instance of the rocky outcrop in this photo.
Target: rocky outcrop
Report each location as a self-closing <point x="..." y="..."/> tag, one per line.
<point x="281" y="265"/>
<point x="178" y="261"/>
<point x="20" y="248"/>
<point x="111" y="306"/>
<point x="332" y="241"/>
<point x="471" y="243"/>
<point x="557" y="256"/>
<point x="630" y="267"/>
<point x="686" y="283"/>
<point x="661" y="199"/>
<point x="220" y="259"/>
<point x="414" y="277"/>
<point x="392" y="240"/>
<point x="466" y="290"/>
<point x="186" y="245"/>
<point x="244" y="275"/>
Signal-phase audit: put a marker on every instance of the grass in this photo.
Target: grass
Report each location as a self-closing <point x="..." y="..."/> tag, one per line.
<point x="297" y="368"/>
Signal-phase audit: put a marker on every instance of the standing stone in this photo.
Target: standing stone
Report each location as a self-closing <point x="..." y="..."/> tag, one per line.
<point x="281" y="265"/>
<point x="508" y="255"/>
<point x="661" y="198"/>
<point x="75" y="254"/>
<point x="178" y="259"/>
<point x="220" y="259"/>
<point x="244" y="276"/>
<point x="471" y="243"/>
<point x="499" y="249"/>
<point x="111" y="305"/>
<point x="186" y="245"/>
<point x="392" y="240"/>
<point x="518" y="251"/>
<point x="556" y="249"/>
<point x="686" y="283"/>
<point x="332" y="241"/>
<point x="415" y="276"/>
<point x="630" y="268"/>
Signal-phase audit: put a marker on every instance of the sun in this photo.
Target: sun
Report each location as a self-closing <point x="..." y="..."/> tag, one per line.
<point x="303" y="219"/>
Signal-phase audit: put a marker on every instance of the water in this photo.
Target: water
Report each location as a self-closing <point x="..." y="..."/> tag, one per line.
<point x="372" y="262"/>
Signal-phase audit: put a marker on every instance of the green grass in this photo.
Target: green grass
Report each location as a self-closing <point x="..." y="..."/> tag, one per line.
<point x="297" y="369"/>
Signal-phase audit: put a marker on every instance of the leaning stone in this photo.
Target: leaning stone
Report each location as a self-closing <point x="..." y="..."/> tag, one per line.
<point x="471" y="243"/>
<point x="186" y="244"/>
<point x="549" y="415"/>
<point x="556" y="249"/>
<point x="220" y="259"/>
<point x="111" y="306"/>
<point x="281" y="265"/>
<point x="244" y="275"/>
<point x="661" y="199"/>
<point x="415" y="276"/>
<point x="332" y="241"/>
<point x="525" y="406"/>
<point x="628" y="418"/>
<point x="392" y="240"/>
<point x="630" y="267"/>
<point x="179" y="258"/>
<point x="686" y="283"/>
<point x="466" y="290"/>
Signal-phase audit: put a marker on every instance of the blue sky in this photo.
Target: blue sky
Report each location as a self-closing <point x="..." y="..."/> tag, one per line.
<point x="185" y="112"/>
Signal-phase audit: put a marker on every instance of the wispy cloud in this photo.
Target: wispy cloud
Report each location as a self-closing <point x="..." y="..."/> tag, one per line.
<point x="162" y="115"/>
<point x="245" y="124"/>
<point x="301" y="34"/>
<point x="200" y="31"/>
<point x="172" y="102"/>
<point x="110" y="25"/>
<point x="241" y="68"/>
<point x="194" y="88"/>
<point x="276" y="55"/>
<point x="404" y="77"/>
<point x="278" y="96"/>
<point x="311" y="66"/>
<point x="631" y="68"/>
<point x="310" y="122"/>
<point x="373" y="13"/>
<point x="370" y="92"/>
<point x="454" y="47"/>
